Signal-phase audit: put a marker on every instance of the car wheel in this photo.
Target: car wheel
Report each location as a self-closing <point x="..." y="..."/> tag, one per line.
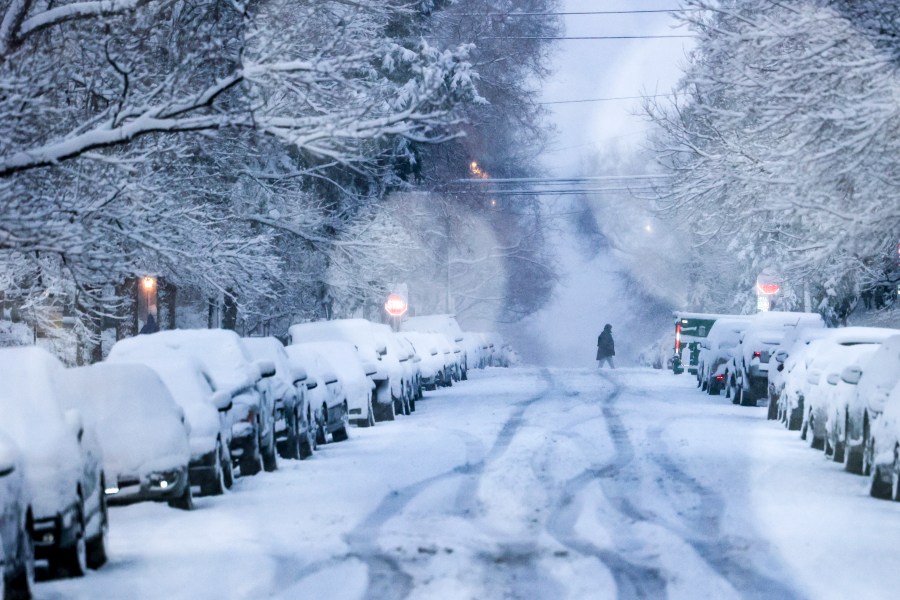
<point x="185" y="501"/>
<point x="250" y="466"/>
<point x="837" y="446"/>
<point x="853" y="455"/>
<point x="815" y="442"/>
<point x="96" y="546"/>
<point x="22" y="583"/>
<point x="340" y="434"/>
<point x="868" y="451"/>
<point x="290" y="448"/>
<point x="747" y="397"/>
<point x="320" y="427"/>
<point x="369" y="420"/>
<point x="384" y="412"/>
<point x="772" y="412"/>
<point x="216" y="486"/>
<point x="270" y="456"/>
<point x="838" y="451"/>
<point x="72" y="561"/>
<point x="308" y="439"/>
<point x="795" y="418"/>
<point x="878" y="486"/>
<point x="227" y="470"/>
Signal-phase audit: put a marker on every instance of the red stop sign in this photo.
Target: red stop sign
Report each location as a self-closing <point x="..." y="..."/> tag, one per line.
<point x="395" y="305"/>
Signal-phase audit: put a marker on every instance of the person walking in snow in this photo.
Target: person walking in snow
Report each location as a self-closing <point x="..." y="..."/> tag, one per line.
<point x="150" y="326"/>
<point x="606" y="348"/>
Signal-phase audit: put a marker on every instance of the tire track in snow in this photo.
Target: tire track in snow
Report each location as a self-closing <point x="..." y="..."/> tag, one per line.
<point x="633" y="580"/>
<point x="705" y="534"/>
<point x="387" y="579"/>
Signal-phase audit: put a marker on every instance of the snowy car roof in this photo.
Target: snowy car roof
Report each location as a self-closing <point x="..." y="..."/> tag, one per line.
<point x="219" y="350"/>
<point x="446" y="324"/>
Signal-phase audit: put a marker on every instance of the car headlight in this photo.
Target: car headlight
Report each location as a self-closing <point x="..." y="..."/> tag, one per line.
<point x="164" y="479"/>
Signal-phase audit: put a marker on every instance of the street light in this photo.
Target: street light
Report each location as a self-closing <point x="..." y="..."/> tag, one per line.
<point x="149" y="283"/>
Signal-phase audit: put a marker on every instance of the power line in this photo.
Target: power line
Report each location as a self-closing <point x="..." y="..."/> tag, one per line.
<point x="586" y="12"/>
<point x="585" y="37"/>
<point x="604" y="99"/>
<point x="558" y="180"/>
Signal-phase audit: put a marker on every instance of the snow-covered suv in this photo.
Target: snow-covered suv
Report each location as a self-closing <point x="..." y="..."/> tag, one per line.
<point x="62" y="462"/>
<point x="233" y="371"/>
<point x="16" y="544"/>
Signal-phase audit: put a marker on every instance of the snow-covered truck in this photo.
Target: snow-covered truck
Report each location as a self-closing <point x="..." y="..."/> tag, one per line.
<point x="690" y="328"/>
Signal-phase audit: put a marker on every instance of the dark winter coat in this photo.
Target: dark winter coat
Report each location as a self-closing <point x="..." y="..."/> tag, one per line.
<point x="150" y="326"/>
<point x="606" y="347"/>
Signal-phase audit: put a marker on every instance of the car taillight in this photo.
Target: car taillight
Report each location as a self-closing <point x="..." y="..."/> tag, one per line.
<point x="720" y="377"/>
<point x="677" y="338"/>
<point x="757" y="354"/>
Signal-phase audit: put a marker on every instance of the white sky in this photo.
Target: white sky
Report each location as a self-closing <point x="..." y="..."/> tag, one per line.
<point x="591" y="291"/>
<point x="608" y="68"/>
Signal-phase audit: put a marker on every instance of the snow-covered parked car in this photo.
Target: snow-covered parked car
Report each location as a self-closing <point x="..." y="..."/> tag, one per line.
<point x="749" y="365"/>
<point x="786" y="357"/>
<point x="830" y="355"/>
<point x="355" y="377"/>
<point x="841" y="378"/>
<point x="716" y="350"/>
<point x="143" y="433"/>
<point x="400" y="354"/>
<point x="61" y="458"/>
<point x="748" y="378"/>
<point x="16" y="543"/>
<point x="294" y="432"/>
<point x="431" y="365"/>
<point x="884" y="464"/>
<point x="415" y="361"/>
<point x="209" y="414"/>
<point x="469" y="345"/>
<point x="233" y="371"/>
<point x="389" y="376"/>
<point x="326" y="394"/>
<point x="875" y="383"/>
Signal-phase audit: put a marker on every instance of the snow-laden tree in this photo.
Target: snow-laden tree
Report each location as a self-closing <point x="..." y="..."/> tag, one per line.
<point x="117" y="118"/>
<point x="782" y="142"/>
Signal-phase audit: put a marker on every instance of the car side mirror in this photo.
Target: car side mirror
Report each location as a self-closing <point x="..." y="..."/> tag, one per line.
<point x="311" y="384"/>
<point x="7" y="465"/>
<point x="74" y="422"/>
<point x="780" y="367"/>
<point x="381" y="349"/>
<point x="369" y="368"/>
<point x="833" y="378"/>
<point x="266" y="368"/>
<point x="851" y="374"/>
<point x="300" y="375"/>
<point x="221" y="400"/>
<point x="780" y="356"/>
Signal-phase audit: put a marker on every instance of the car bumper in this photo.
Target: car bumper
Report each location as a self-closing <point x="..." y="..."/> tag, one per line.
<point x="52" y="533"/>
<point x="155" y="487"/>
<point x="244" y="444"/>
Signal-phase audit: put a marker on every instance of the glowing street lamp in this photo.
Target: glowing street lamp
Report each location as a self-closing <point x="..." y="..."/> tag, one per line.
<point x="149" y="283"/>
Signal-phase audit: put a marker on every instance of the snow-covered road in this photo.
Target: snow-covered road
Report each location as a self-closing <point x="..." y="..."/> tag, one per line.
<point x="526" y="483"/>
